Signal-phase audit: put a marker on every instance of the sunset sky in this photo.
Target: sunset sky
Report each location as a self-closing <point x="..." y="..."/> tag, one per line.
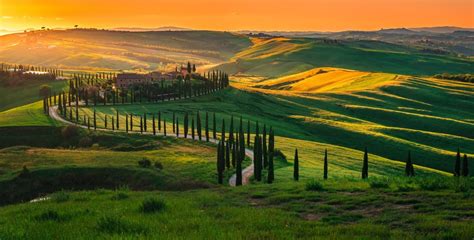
<point x="320" y="15"/>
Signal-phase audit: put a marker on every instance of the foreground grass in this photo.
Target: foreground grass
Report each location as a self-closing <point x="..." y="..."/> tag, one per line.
<point x="345" y="208"/>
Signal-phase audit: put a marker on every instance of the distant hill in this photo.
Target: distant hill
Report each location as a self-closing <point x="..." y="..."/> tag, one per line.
<point x="104" y="49"/>
<point x="283" y="56"/>
<point x="138" y="29"/>
<point x="445" y="29"/>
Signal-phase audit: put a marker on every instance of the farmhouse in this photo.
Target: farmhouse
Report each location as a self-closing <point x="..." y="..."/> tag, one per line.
<point x="124" y="80"/>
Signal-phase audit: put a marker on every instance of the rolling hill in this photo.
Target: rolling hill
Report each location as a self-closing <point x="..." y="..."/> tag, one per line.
<point x="277" y="57"/>
<point x="103" y="49"/>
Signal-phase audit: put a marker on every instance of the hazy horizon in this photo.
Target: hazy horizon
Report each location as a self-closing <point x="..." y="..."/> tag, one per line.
<point x="265" y="15"/>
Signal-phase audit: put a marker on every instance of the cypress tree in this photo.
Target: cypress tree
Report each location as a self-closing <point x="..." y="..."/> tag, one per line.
<point x="105" y="121"/>
<point x="186" y="121"/>
<point x="159" y="121"/>
<point x="177" y="126"/>
<point x="207" y="127"/>
<point x="238" y="170"/>
<point x="192" y="128"/>
<point x="465" y="166"/>
<point x="88" y="123"/>
<point x="264" y="147"/>
<point x="153" y="124"/>
<point x="164" y="126"/>
<point x="117" y="120"/>
<point x="326" y="164"/>
<point x="174" y="121"/>
<point x="223" y="130"/>
<point x="296" y="167"/>
<point x="113" y="124"/>
<point x="95" y="120"/>
<point x="409" y="170"/>
<point x="231" y="130"/>
<point x="144" y="123"/>
<point x="234" y="152"/>
<point x="271" y="149"/>
<point x="214" y="126"/>
<point x="227" y="154"/>
<point x="248" y="133"/>
<point x="256" y="159"/>
<point x="198" y="122"/>
<point x="126" y="123"/>
<point x="141" y="124"/>
<point x="457" y="166"/>
<point x="365" y="166"/>
<point x="131" y="122"/>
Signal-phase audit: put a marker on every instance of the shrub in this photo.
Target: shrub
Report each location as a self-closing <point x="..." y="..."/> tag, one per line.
<point x="145" y="163"/>
<point x="313" y="185"/>
<point x="152" y="205"/>
<point x="85" y="142"/>
<point x="158" y="165"/>
<point x="69" y="132"/>
<point x="379" y="183"/>
<point x="60" y="197"/>
<point x="115" y="225"/>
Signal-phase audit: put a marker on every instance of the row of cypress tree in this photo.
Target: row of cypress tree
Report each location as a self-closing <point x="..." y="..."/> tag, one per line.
<point x="409" y="168"/>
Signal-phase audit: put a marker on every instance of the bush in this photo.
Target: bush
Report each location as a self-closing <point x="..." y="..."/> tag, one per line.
<point x="85" y="142"/>
<point x="152" y="205"/>
<point x="158" y="165"/>
<point x="144" y="163"/>
<point x="115" y="225"/>
<point x="379" y="183"/>
<point x="313" y="185"/>
<point x="69" y="132"/>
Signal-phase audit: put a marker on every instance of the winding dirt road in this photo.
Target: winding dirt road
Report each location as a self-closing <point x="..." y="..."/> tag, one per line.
<point x="246" y="173"/>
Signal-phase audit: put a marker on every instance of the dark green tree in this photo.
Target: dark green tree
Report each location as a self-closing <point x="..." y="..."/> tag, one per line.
<point x="365" y="166"/>
<point x="248" y="133"/>
<point x="198" y="126"/>
<point x="296" y="167"/>
<point x="186" y="121"/>
<point x="326" y="164"/>
<point x="117" y="121"/>
<point x="153" y="125"/>
<point x="227" y="154"/>
<point x="144" y="123"/>
<point x="126" y="123"/>
<point x="207" y="127"/>
<point x="220" y="165"/>
<point x="214" y="126"/>
<point x="465" y="166"/>
<point x="192" y="128"/>
<point x="409" y="169"/>
<point x="457" y="166"/>
<point x="177" y="126"/>
<point x="271" y="150"/>
<point x="95" y="120"/>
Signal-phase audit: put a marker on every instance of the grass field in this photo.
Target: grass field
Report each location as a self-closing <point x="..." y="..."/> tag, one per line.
<point x="280" y="57"/>
<point x="429" y="117"/>
<point x="11" y="97"/>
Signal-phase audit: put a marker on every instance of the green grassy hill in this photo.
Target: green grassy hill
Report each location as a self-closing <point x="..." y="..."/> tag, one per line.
<point x="101" y="49"/>
<point x="281" y="56"/>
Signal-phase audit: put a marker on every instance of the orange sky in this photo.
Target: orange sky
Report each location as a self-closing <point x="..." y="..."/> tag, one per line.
<point x="322" y="15"/>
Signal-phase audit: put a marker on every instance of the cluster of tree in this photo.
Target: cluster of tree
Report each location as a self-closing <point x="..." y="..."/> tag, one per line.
<point x="456" y="77"/>
<point x="17" y="75"/>
<point x="461" y="171"/>
<point x="263" y="151"/>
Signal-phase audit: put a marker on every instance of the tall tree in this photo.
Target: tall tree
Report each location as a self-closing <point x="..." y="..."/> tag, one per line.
<point x="365" y="166"/>
<point x="198" y="126"/>
<point x="220" y="174"/>
<point x="248" y="133"/>
<point x="409" y="169"/>
<point x="214" y="125"/>
<point x="159" y="121"/>
<point x="186" y="121"/>
<point x="227" y="154"/>
<point x="95" y="120"/>
<point x="126" y="123"/>
<point x="271" y="150"/>
<point x="192" y="128"/>
<point x="174" y="122"/>
<point x="164" y="127"/>
<point x="153" y="124"/>
<point x="223" y="130"/>
<point x="177" y="126"/>
<point x="264" y="147"/>
<point x="465" y="166"/>
<point x="117" y="121"/>
<point x="207" y="127"/>
<point x="326" y="164"/>
<point x="296" y="167"/>
<point x="457" y="166"/>
<point x="144" y="122"/>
